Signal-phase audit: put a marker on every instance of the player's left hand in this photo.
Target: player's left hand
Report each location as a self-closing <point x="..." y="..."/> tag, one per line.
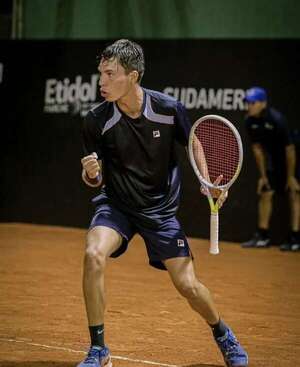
<point x="218" y="194"/>
<point x="292" y="184"/>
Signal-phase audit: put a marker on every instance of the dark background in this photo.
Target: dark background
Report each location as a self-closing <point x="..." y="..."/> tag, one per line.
<point x="40" y="152"/>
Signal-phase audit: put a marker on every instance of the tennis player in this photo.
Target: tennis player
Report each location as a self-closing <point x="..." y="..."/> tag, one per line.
<point x="129" y="153"/>
<point x="276" y="162"/>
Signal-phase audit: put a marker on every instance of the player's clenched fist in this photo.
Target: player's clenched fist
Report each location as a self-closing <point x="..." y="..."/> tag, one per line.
<point x="91" y="165"/>
<point x="91" y="172"/>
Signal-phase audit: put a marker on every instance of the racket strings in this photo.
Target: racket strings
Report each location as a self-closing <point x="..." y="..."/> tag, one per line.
<point x="216" y="151"/>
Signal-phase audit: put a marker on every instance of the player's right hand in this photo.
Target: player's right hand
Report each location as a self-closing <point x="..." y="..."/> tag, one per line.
<point x="263" y="185"/>
<point x="91" y="165"/>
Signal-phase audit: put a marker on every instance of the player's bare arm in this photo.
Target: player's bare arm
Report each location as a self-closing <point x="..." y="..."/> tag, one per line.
<point x="202" y="164"/>
<point x="92" y="170"/>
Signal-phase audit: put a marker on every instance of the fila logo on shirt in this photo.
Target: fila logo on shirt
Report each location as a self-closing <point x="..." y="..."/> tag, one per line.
<point x="156" y="134"/>
<point x="180" y="243"/>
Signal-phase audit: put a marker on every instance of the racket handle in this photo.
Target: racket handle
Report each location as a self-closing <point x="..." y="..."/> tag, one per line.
<point x="214" y="234"/>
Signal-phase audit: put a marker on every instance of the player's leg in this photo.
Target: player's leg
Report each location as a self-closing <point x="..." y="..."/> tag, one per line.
<point x="101" y="243"/>
<point x="181" y="271"/>
<point x="168" y="248"/>
<point x="109" y="234"/>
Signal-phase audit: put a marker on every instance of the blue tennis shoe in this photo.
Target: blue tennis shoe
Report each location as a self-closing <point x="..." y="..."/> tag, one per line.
<point x="97" y="357"/>
<point x="233" y="353"/>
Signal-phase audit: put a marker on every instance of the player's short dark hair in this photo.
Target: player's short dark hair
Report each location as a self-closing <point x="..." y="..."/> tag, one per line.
<point x="128" y="53"/>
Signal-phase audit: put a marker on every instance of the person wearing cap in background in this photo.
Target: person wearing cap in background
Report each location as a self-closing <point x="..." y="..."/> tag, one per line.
<point x="276" y="162"/>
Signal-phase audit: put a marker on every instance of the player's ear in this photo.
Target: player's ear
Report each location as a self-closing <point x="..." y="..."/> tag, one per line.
<point x="134" y="76"/>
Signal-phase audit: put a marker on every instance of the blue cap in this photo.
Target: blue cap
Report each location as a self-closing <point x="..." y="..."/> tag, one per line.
<point x="255" y="94"/>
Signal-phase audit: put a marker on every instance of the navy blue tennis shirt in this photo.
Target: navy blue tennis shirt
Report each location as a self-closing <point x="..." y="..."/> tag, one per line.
<point x="140" y="167"/>
<point x="271" y="131"/>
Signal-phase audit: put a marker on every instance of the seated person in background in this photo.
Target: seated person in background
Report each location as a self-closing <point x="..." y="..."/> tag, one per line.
<point x="275" y="159"/>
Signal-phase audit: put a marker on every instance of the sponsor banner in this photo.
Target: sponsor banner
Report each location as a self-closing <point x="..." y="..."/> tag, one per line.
<point x="226" y="99"/>
<point x="48" y="87"/>
<point x="78" y="96"/>
<point x="67" y="95"/>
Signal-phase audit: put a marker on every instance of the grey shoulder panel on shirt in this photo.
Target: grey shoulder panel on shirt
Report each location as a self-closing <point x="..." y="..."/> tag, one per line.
<point x="113" y="120"/>
<point x="99" y="109"/>
<point x="154" y="116"/>
<point x="106" y="114"/>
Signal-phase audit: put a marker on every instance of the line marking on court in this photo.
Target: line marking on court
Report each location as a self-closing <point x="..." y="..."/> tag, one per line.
<point x="83" y="352"/>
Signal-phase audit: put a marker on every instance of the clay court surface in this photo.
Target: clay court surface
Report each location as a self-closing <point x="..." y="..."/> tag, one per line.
<point x="42" y="316"/>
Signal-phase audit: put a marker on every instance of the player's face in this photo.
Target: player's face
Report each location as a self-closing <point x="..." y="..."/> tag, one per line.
<point x="114" y="82"/>
<point x="255" y="108"/>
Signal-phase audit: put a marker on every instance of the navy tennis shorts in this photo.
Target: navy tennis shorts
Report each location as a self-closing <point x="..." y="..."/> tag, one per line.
<point x="164" y="239"/>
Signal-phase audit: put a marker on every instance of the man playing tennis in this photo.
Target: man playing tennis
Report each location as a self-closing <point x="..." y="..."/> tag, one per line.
<point x="129" y="149"/>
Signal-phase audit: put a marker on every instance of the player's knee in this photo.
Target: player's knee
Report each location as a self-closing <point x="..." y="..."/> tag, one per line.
<point x="189" y="288"/>
<point x="95" y="259"/>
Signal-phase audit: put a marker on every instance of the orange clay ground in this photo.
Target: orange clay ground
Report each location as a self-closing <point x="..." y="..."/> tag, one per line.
<point x="43" y="322"/>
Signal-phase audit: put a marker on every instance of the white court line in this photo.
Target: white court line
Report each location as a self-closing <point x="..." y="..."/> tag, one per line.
<point x="82" y="352"/>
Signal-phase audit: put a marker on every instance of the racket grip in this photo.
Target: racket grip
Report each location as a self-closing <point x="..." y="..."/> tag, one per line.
<point x="214" y="234"/>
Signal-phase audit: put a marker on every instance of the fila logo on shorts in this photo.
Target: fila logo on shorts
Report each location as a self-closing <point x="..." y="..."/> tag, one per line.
<point x="156" y="133"/>
<point x="180" y="243"/>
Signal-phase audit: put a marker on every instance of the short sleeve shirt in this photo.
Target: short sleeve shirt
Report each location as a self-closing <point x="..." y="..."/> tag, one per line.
<point x="140" y="167"/>
<point x="270" y="130"/>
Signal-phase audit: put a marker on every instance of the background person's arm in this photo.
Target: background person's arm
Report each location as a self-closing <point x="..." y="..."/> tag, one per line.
<point x="259" y="155"/>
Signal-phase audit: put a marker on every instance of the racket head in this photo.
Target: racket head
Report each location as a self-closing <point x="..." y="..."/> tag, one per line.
<point x="220" y="151"/>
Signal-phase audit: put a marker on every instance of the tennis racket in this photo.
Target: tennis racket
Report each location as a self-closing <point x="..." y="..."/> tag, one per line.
<point x="216" y="155"/>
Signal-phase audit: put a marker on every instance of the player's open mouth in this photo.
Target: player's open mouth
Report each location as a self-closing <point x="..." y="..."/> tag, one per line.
<point x="103" y="93"/>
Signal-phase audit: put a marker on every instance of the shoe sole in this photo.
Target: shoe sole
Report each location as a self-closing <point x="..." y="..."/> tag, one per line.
<point x="238" y="365"/>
